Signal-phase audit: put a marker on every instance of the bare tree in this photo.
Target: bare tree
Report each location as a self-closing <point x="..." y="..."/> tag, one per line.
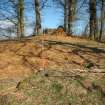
<point x="102" y="19"/>
<point x="93" y="19"/>
<point x="69" y="8"/>
<point x="70" y="16"/>
<point x="13" y="11"/>
<point x="66" y="15"/>
<point x="20" y="16"/>
<point x="37" y="29"/>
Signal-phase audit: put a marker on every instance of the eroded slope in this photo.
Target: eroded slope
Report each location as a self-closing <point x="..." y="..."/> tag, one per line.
<point x="19" y="59"/>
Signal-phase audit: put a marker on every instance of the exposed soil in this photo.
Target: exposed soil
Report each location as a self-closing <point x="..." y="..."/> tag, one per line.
<point x="29" y="55"/>
<point x="20" y="59"/>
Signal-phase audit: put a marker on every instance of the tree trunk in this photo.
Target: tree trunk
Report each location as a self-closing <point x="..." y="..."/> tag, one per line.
<point x="86" y="30"/>
<point x="37" y="29"/>
<point x="70" y="16"/>
<point x="93" y="19"/>
<point x="66" y="16"/>
<point x="20" y="15"/>
<point x="102" y="19"/>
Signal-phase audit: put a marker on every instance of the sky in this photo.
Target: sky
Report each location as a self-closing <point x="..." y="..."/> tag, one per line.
<point x="51" y="18"/>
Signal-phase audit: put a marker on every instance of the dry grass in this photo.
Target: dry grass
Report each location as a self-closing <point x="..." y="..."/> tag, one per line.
<point x="58" y="88"/>
<point x="20" y="59"/>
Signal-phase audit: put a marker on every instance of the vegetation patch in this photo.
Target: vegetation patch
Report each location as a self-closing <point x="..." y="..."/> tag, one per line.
<point x="41" y="90"/>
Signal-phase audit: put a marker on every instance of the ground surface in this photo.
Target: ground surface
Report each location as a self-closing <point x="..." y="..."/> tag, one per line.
<point x="21" y="59"/>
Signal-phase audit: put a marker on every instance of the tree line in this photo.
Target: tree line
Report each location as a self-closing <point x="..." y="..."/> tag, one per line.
<point x="95" y="8"/>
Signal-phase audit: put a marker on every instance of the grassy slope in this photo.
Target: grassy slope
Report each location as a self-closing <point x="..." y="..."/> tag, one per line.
<point x="65" y="54"/>
<point x="58" y="88"/>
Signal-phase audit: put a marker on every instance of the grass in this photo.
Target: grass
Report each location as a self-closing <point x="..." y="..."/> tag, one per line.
<point x="41" y="90"/>
<point x="6" y="84"/>
<point x="56" y="87"/>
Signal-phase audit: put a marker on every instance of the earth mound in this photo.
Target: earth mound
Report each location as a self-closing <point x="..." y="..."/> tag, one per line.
<point x="20" y="59"/>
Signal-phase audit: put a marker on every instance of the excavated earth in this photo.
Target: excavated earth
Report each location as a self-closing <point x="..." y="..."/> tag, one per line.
<point x="21" y="59"/>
